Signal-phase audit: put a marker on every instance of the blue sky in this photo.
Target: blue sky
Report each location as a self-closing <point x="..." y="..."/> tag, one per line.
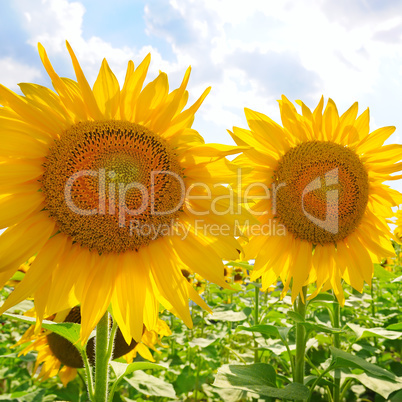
<point x="250" y="52"/>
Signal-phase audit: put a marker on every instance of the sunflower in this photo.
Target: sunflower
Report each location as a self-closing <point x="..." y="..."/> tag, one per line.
<point x="103" y="185"/>
<point x="57" y="356"/>
<point x="317" y="185"/>
<point x="235" y="274"/>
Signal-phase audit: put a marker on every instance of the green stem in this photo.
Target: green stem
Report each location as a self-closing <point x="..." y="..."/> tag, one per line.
<point x="197" y="378"/>
<point x="312" y="365"/>
<point x="110" y="345"/>
<point x="292" y="363"/>
<point x="346" y="385"/>
<point x="256" y="296"/>
<point x="232" y="351"/>
<point x="317" y="381"/>
<point x="300" y="307"/>
<point x="88" y="372"/>
<point x="337" y="344"/>
<point x="372" y="299"/>
<point x="102" y="357"/>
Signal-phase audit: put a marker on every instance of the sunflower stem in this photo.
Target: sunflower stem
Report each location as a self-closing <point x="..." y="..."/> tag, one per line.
<point x="88" y="373"/>
<point x="102" y="358"/>
<point x="256" y="297"/>
<point x="337" y="344"/>
<point x="300" y="307"/>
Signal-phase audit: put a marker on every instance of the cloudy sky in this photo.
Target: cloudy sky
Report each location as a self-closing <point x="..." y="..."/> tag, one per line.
<point x="250" y="52"/>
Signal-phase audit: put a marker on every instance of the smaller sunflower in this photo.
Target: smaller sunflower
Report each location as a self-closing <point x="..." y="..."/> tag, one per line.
<point x="235" y="274"/>
<point x="57" y="356"/>
<point x="319" y="178"/>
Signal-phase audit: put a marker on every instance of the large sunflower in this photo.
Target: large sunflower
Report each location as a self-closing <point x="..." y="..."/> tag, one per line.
<point x="319" y="179"/>
<point x="103" y="185"/>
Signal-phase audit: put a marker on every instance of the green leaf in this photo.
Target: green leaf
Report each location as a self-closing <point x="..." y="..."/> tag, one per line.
<point x="150" y="385"/>
<point x="381" y="273"/>
<point x="29" y="357"/>
<point x="322" y="381"/>
<point x="202" y="342"/>
<point x="323" y="298"/>
<point x="251" y="374"/>
<point x="373" y="332"/>
<point x="68" y="330"/>
<point x="341" y="359"/>
<point x="18" y="276"/>
<point x="381" y="387"/>
<point x="321" y="328"/>
<point x="395" y="327"/>
<point x="21" y="307"/>
<point x="187" y="380"/>
<point x="25" y="396"/>
<point x="239" y="264"/>
<point x="296" y="317"/>
<point x="270" y="330"/>
<point x="122" y="369"/>
<point x="234" y="288"/>
<point x="258" y="378"/>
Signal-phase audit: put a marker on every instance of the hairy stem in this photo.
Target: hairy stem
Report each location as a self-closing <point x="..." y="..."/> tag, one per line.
<point x="102" y="359"/>
<point x="300" y="307"/>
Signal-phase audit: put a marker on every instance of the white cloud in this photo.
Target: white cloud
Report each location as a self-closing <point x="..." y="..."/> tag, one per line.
<point x="52" y="22"/>
<point x="249" y="52"/>
<point x="11" y="68"/>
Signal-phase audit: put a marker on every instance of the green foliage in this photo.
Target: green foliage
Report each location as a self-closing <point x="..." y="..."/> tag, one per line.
<point x="259" y="379"/>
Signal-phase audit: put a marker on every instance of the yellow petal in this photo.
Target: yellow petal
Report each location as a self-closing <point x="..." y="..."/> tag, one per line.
<point x="20" y="242"/>
<point x="169" y="280"/>
<point x="40" y="271"/>
<point x="300" y="267"/>
<point x="330" y="120"/>
<point x="61" y="295"/>
<point x="16" y="207"/>
<point x="107" y="91"/>
<point x="375" y="140"/>
<point x="87" y="94"/>
<point x="208" y="264"/>
<point x="19" y="171"/>
<point x="67" y="374"/>
<point x="186" y="118"/>
<point x="72" y="101"/>
<point x="14" y="144"/>
<point x="132" y="88"/>
<point x="128" y="298"/>
<point x="173" y="105"/>
<point x="28" y="112"/>
<point x="46" y="100"/>
<point x="267" y="132"/>
<point x="151" y="97"/>
<point x="97" y="294"/>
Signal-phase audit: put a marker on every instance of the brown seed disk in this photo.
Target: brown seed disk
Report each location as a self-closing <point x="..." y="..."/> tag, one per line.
<point x="321" y="191"/>
<point x="111" y="184"/>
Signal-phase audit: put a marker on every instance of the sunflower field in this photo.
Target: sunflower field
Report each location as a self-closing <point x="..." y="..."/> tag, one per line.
<point x="243" y="352"/>
<point x="140" y="263"/>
